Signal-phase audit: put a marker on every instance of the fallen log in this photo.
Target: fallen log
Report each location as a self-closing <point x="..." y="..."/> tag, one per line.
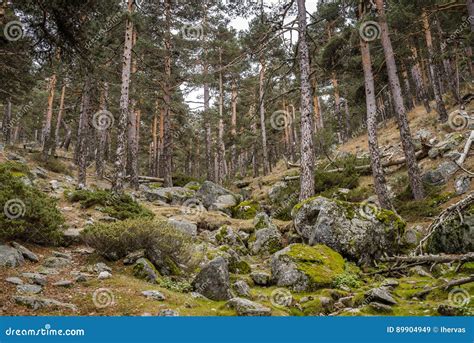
<point x="446" y="286"/>
<point x="151" y="178"/>
<point x="467" y="147"/>
<point x="431" y="258"/>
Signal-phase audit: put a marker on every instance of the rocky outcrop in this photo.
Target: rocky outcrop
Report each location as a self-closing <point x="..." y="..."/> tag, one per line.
<point x="305" y="268"/>
<point x="10" y="257"/>
<point x="267" y="237"/>
<point x="361" y="232"/>
<point x="213" y="280"/>
<point x="245" y="307"/>
<point x="215" y="197"/>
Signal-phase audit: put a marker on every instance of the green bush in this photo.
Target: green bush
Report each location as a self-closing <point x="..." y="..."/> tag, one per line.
<point x="116" y="240"/>
<point x="27" y="213"/>
<point x="118" y="206"/>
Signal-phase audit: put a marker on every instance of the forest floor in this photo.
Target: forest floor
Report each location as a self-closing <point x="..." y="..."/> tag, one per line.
<point x="124" y="289"/>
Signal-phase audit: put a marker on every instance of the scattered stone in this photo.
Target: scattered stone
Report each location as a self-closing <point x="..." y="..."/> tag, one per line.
<point x="63" y="283"/>
<point x="133" y="257"/>
<point x="304" y="268"/>
<point x="410" y="237"/>
<point x="168" y="195"/>
<point x="81" y="278"/>
<point x="40" y="172"/>
<point x="380" y="294"/>
<point x="362" y="232"/>
<point x="462" y="184"/>
<point x="168" y="313"/>
<point x="55" y="185"/>
<point x="36" y="303"/>
<point x="144" y="269"/>
<point x="260" y="278"/>
<point x="184" y="226"/>
<point x="245" y="307"/>
<point x="14" y="280"/>
<point x="104" y="275"/>
<point x="441" y="174"/>
<point x="419" y="271"/>
<point x="213" y="280"/>
<point x="448" y="310"/>
<point x="72" y="236"/>
<point x="36" y="278"/>
<point x="155" y="295"/>
<point x="306" y="299"/>
<point x="62" y="255"/>
<point x="48" y="271"/>
<point x="10" y="257"/>
<point x="267" y="241"/>
<point x="102" y="267"/>
<point x="380" y="308"/>
<point x="28" y="254"/>
<point x="196" y="295"/>
<point x="107" y="219"/>
<point x="242" y="288"/>
<point x="29" y="289"/>
<point x="56" y="262"/>
<point x="390" y="283"/>
<point x="347" y="301"/>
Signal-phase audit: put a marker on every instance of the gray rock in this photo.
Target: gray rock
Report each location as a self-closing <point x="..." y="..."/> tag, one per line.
<point x="15" y="157"/>
<point x="14" y="280"/>
<point x="63" y="283"/>
<point x="278" y="192"/>
<point x="144" y="269"/>
<point x="196" y="295"/>
<point x="423" y="134"/>
<point x="242" y="288"/>
<point x="168" y="313"/>
<point x="192" y="185"/>
<point x="381" y="295"/>
<point x="184" y="226"/>
<point x="267" y="241"/>
<point x="62" y="254"/>
<point x="55" y="185"/>
<point x="133" y="257"/>
<point x="155" y="295"/>
<point x="390" y="283"/>
<point x="353" y="230"/>
<point x="104" y="275"/>
<point x="381" y="308"/>
<point x="29" y="289"/>
<point x="40" y="172"/>
<point x="72" y="236"/>
<point x="441" y="174"/>
<point x="37" y="303"/>
<point x="169" y="195"/>
<point x="36" y="278"/>
<point x="102" y="267"/>
<point x="419" y="271"/>
<point x="10" y="257"/>
<point x="263" y="221"/>
<point x="245" y="307"/>
<point x="28" y="254"/>
<point x="462" y="184"/>
<point x="56" y="262"/>
<point x="213" y="280"/>
<point x="410" y="237"/>
<point x="217" y="197"/>
<point x="260" y="278"/>
<point x="81" y="278"/>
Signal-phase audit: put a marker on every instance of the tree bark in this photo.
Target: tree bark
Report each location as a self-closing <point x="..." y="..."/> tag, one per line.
<point x="102" y="135"/>
<point x="58" y="121"/>
<point x="405" y="135"/>
<point x="307" y="146"/>
<point x="120" y="159"/>
<point x="318" y="119"/>
<point x="440" y="108"/>
<point x="233" y="149"/>
<point x="380" y="183"/>
<point x="421" y="92"/>
<point x="132" y="130"/>
<point x="7" y="123"/>
<point x="83" y="133"/>
<point x="337" y="103"/>
<point x="263" y="130"/>
<point x="220" y="143"/>
<point x="167" y="138"/>
<point x="470" y="10"/>
<point x="407" y="87"/>
<point x="46" y="134"/>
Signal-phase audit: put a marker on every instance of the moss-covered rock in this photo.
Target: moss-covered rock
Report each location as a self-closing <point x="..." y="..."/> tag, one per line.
<point x="360" y="231"/>
<point x="246" y="209"/>
<point x="305" y="268"/>
<point x="144" y="269"/>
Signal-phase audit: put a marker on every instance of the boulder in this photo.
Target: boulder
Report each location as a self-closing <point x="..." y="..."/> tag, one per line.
<point x="28" y="254"/>
<point x="263" y="221"/>
<point x="162" y="262"/>
<point x="144" y="269"/>
<point x="169" y="195"/>
<point x="36" y="303"/>
<point x="36" y="278"/>
<point x="305" y="268"/>
<point x="380" y="295"/>
<point x="462" y="184"/>
<point x="245" y="307"/>
<point x="242" y="288"/>
<point x="29" y="289"/>
<point x="184" y="226"/>
<point x="260" y="278"/>
<point x="361" y="232"/>
<point x="380" y="308"/>
<point x="10" y="257"/>
<point x="104" y="275"/>
<point x="168" y="313"/>
<point x="155" y="295"/>
<point x="14" y="280"/>
<point x="215" y="197"/>
<point x="56" y="262"/>
<point x="101" y="267"/>
<point x="265" y="241"/>
<point x="63" y="283"/>
<point x="441" y="174"/>
<point x="213" y="280"/>
<point x="132" y="257"/>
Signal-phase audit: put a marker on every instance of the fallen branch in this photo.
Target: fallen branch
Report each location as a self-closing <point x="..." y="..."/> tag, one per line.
<point x="431" y="258"/>
<point x="467" y="147"/>
<point x="445" y="287"/>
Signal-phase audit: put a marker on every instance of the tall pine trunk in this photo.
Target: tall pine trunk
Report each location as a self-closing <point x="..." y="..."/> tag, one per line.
<point x="132" y="129"/>
<point x="55" y="142"/>
<point x="220" y="143"/>
<point x="83" y="132"/>
<point x="121" y="153"/>
<point x="307" y="146"/>
<point x="421" y="92"/>
<point x="102" y="135"/>
<point x="380" y="184"/>
<point x="405" y="135"/>
<point x="434" y="73"/>
<point x="46" y="134"/>
<point x="233" y="132"/>
<point x="167" y="137"/>
<point x="266" y="167"/>
<point x="7" y="123"/>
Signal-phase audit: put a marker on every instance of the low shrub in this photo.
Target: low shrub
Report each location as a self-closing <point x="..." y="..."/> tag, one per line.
<point x="27" y="213"/>
<point x="118" y="206"/>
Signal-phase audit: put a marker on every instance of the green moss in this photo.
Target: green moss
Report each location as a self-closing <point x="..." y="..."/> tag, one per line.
<point x="118" y="206"/>
<point x="313" y="308"/>
<point x="273" y="245"/>
<point x="180" y="180"/>
<point x="298" y="206"/>
<point x="139" y="271"/>
<point x="319" y="263"/>
<point x="468" y="268"/>
<point x="390" y="218"/>
<point x="245" y="210"/>
<point x="239" y="267"/>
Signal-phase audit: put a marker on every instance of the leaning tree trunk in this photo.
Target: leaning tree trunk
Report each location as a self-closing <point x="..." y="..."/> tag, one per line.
<point x="380" y="184"/>
<point x="120" y="159"/>
<point x="48" y="118"/>
<point x="82" y="142"/>
<point x="167" y="138"/>
<point x="307" y="146"/>
<point x="266" y="166"/>
<point x="421" y="92"/>
<point x="102" y="135"/>
<point x="55" y="142"/>
<point x="405" y="135"/>
<point x="7" y="123"/>
<point x="440" y="108"/>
